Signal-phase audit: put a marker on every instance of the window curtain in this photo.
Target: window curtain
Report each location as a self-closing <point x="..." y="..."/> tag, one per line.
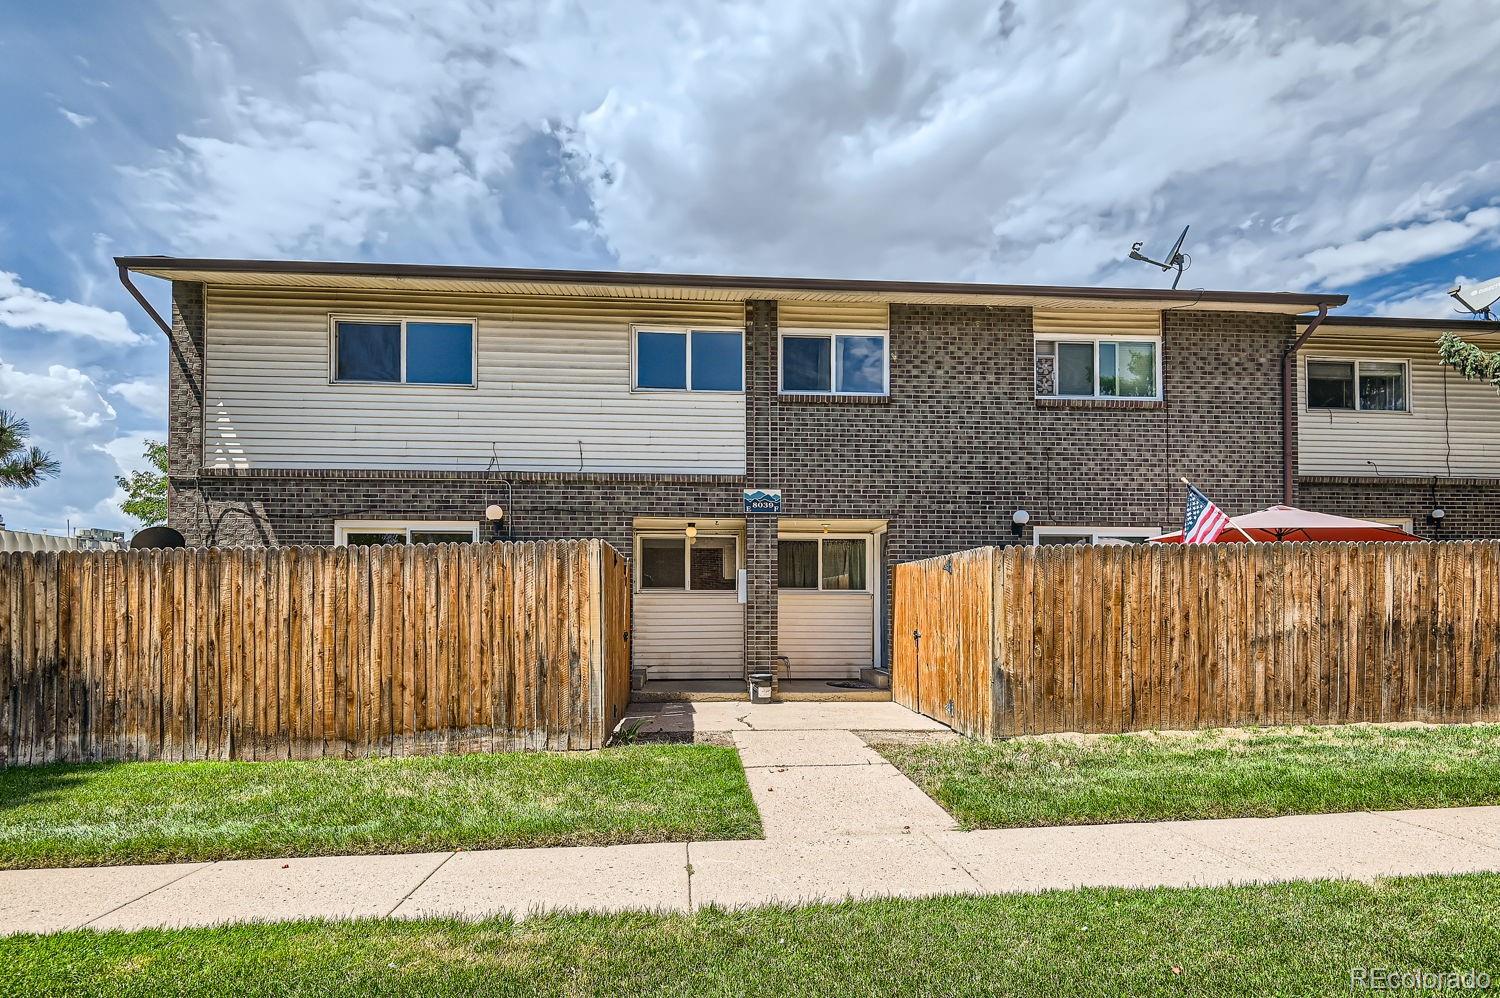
<point x="844" y="564"/>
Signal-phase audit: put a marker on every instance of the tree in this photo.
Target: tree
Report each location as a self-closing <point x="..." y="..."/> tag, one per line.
<point x="1469" y="361"/>
<point x="22" y="465"/>
<point x="146" y="491"/>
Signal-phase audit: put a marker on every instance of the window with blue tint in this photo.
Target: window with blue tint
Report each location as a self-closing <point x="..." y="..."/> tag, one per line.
<point x="718" y="362"/>
<point x="367" y="351"/>
<point x="861" y="364"/>
<point x="439" y="353"/>
<point x="661" y="360"/>
<point x="806" y="364"/>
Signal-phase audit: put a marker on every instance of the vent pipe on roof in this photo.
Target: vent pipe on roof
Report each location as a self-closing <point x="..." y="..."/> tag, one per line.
<point x="1288" y="362"/>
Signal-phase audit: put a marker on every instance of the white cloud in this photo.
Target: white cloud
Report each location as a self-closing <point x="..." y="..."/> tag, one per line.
<point x="72" y="421"/>
<point x="24" y="308"/>
<point x="150" y="397"/>
<point x="1018" y="142"/>
<point x="75" y="119"/>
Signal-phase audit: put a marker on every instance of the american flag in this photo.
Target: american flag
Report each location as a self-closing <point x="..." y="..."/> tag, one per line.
<point x="1204" y="521"/>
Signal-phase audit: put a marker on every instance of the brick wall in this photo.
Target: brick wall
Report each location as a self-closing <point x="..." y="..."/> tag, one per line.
<point x="185" y="390"/>
<point x="1471" y="505"/>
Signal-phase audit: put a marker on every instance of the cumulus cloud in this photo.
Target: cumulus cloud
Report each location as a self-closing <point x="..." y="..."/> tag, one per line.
<point x="25" y="308"/>
<point x="71" y="420"/>
<point x="150" y="397"/>
<point x="1011" y="141"/>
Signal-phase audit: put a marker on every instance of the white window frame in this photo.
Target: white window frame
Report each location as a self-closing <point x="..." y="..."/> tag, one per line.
<point x="687" y="560"/>
<point x="820" y="538"/>
<point x="1041" y="338"/>
<point x="832" y="335"/>
<point x="1405" y="523"/>
<point x="636" y="328"/>
<point x="455" y="320"/>
<point x="1307" y="405"/>
<point x="1094" y="533"/>
<point x="343" y="528"/>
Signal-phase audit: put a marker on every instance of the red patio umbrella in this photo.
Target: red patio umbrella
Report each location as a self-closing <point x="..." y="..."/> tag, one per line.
<point x="1287" y="523"/>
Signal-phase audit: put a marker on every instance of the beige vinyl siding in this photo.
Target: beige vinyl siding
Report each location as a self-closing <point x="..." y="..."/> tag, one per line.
<point x="826" y="635"/>
<point x="833" y="315"/>
<point x="1095" y="322"/>
<point x="681" y="635"/>
<point x="553" y="388"/>
<point x="1459" y="436"/>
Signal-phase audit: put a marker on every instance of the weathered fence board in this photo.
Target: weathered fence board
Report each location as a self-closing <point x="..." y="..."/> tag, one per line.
<point x="311" y="652"/>
<point x="1027" y="640"/>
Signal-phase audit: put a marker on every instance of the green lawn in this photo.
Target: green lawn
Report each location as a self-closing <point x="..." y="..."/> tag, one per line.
<point x="1299" y="939"/>
<point x="113" y="813"/>
<point x="1209" y="774"/>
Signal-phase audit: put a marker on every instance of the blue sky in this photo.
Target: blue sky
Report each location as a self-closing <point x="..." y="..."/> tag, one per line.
<point x="1312" y="146"/>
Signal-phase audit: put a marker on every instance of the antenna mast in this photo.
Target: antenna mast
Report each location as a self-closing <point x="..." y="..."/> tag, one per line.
<point x="1175" y="258"/>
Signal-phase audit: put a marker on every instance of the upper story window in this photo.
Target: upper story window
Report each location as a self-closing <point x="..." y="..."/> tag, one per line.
<point x="816" y="362"/>
<point x="1123" y="367"/>
<point x="688" y="360"/>
<point x="1364" y="385"/>
<point x="403" y="351"/>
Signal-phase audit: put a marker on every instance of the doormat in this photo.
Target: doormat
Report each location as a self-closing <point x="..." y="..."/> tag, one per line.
<point x="850" y="684"/>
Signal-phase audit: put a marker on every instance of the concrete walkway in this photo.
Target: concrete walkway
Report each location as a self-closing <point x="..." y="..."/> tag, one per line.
<point x="840" y="822"/>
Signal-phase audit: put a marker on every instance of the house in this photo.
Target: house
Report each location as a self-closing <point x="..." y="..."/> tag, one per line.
<point x="1385" y="432"/>
<point x="763" y="449"/>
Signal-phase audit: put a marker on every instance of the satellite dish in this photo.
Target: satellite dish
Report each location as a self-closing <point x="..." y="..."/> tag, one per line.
<point x="1175" y="258"/>
<point x="157" y="537"/>
<point x="1479" y="300"/>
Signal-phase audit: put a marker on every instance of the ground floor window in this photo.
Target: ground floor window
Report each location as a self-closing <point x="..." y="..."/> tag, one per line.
<point x="1093" y="535"/>
<point x="1401" y="522"/>
<point x="683" y="564"/>
<point x="361" y="532"/>
<point x="829" y="564"/>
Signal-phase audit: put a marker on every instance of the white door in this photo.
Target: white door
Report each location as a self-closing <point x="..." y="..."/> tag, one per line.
<point x="689" y="621"/>
<point x="825" y="605"/>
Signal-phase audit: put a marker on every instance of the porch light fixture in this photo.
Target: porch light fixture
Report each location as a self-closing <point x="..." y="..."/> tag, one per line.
<point x="692" y="532"/>
<point x="1018" y="520"/>
<point x="494" y="511"/>
<point x="1436" y="517"/>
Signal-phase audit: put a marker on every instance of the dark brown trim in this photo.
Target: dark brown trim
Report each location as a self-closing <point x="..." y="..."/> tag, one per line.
<point x="135" y="293"/>
<point x="635" y="278"/>
<point x="1395" y="322"/>
<point x="1405" y="480"/>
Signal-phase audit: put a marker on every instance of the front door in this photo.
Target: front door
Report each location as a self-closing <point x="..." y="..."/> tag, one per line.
<point x="825" y="603"/>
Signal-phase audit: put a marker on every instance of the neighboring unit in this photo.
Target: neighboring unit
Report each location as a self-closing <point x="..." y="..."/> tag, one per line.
<point x="764" y="450"/>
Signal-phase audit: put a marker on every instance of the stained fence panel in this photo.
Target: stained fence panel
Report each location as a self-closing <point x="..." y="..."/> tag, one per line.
<point x="1101" y="639"/>
<point x="311" y="652"/>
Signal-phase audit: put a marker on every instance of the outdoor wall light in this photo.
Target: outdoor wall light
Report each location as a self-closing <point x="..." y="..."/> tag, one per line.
<point x="1018" y="520"/>
<point x="1436" y="517"/>
<point x="494" y="511"/>
<point x="692" y="532"/>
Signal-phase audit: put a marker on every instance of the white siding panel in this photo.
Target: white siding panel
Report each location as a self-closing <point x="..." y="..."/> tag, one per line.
<point x="553" y="389"/>
<point x="689" y="635"/>
<point x="833" y="315"/>
<point x="1134" y="322"/>
<point x="825" y="635"/>
<point x="1453" y="427"/>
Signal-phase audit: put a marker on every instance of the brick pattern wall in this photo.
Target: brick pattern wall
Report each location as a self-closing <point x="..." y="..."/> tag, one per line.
<point x="185" y="382"/>
<point x="1471" y="505"/>
<point x="761" y="445"/>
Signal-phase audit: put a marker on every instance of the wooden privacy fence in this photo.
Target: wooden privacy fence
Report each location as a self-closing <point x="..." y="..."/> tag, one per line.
<point x="1026" y="640"/>
<point x="307" y="652"/>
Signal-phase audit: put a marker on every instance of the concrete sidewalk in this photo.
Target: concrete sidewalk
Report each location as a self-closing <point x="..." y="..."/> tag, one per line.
<point x="839" y="821"/>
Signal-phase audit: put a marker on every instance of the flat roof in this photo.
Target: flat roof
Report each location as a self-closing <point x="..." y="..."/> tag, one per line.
<point x="526" y="281"/>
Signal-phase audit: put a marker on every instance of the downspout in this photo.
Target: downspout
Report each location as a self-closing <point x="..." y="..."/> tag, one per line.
<point x="135" y="293"/>
<point x="1288" y="362"/>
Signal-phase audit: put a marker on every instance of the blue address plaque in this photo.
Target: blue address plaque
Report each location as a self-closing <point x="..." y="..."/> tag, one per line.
<point x="763" y="501"/>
